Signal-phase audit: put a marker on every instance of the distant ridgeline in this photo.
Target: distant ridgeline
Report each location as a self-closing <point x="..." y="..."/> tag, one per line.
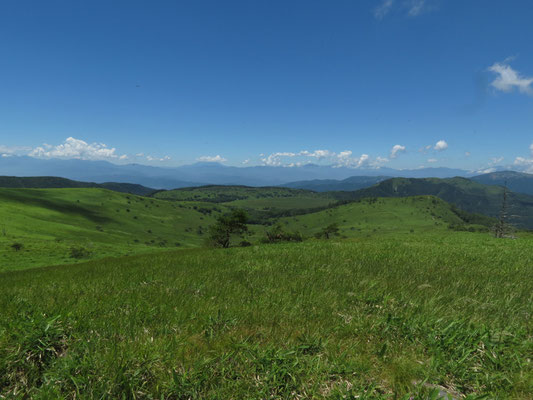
<point x="52" y="182"/>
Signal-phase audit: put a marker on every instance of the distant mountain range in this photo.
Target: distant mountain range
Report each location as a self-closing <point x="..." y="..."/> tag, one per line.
<point x="199" y="173"/>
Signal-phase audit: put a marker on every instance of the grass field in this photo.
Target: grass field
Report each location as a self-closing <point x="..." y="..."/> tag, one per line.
<point x="49" y="223"/>
<point x="397" y="306"/>
<point x="402" y="317"/>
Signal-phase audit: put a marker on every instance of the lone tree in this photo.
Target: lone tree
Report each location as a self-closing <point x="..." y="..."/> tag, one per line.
<point x="227" y="225"/>
<point x="329" y="231"/>
<point x="502" y="228"/>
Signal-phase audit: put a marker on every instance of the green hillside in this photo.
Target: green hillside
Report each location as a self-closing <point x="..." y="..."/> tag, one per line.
<point x="51" y="182"/>
<point x="468" y="195"/>
<point x="49" y="223"/>
<point x="396" y="216"/>
<point x="401" y="317"/>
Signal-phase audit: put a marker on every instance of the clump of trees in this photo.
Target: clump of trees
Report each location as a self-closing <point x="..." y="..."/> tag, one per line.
<point x="232" y="224"/>
<point x="277" y="234"/>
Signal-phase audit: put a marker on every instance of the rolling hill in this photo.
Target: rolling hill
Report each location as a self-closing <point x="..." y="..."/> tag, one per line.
<point x="52" y="224"/>
<point x="54" y="182"/>
<point x="466" y="194"/>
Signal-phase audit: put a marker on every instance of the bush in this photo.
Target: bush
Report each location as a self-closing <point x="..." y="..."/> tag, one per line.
<point x="78" y="252"/>
<point x="17" y="246"/>
<point x="277" y="235"/>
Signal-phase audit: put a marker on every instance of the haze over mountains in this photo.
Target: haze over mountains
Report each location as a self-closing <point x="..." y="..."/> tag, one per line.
<point x="201" y="173"/>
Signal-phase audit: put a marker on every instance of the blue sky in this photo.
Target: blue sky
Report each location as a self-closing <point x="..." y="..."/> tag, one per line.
<point x="396" y="83"/>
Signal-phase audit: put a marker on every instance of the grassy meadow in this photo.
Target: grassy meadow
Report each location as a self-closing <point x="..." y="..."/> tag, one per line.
<point x="395" y="318"/>
<point x="397" y="306"/>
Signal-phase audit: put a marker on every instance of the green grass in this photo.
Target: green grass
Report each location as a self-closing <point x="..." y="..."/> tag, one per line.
<point x="380" y="317"/>
<point x="50" y="222"/>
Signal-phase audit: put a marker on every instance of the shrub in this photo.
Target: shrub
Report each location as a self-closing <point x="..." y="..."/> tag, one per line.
<point x="277" y="234"/>
<point x="78" y="252"/>
<point x="17" y="246"/>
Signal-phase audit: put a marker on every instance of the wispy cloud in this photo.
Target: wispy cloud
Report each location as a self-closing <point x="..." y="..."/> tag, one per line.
<point x="432" y="160"/>
<point x="509" y="79"/>
<point x="416" y="7"/>
<point x="383" y="9"/>
<point x="216" y="158"/>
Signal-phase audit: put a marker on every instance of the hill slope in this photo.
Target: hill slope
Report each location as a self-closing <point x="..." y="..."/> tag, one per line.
<point x="468" y="195"/>
<point x="51" y="182"/>
<point x="49" y="223"/>
<point x="384" y="216"/>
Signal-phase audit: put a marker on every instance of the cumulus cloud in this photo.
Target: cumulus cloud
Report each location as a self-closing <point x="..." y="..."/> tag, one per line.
<point x="396" y="149"/>
<point x="441" y="145"/>
<point x="216" y="158"/>
<point x="383" y="9"/>
<point x="76" y="148"/>
<point x="509" y="79"/>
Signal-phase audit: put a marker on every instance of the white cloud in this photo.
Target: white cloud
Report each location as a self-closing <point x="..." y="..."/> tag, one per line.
<point x="467" y="154"/>
<point x="525" y="163"/>
<point x="441" y="145"/>
<point x="508" y="79"/>
<point x="247" y="161"/>
<point x="342" y="159"/>
<point x="216" y="158"/>
<point x="396" y="149"/>
<point x="432" y="160"/>
<point x="383" y="9"/>
<point x="415" y="7"/>
<point x="75" y="148"/>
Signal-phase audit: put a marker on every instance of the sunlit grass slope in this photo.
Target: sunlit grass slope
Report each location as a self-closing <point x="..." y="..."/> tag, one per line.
<point x="395" y="216"/>
<point x="389" y="317"/>
<point x="50" y="222"/>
